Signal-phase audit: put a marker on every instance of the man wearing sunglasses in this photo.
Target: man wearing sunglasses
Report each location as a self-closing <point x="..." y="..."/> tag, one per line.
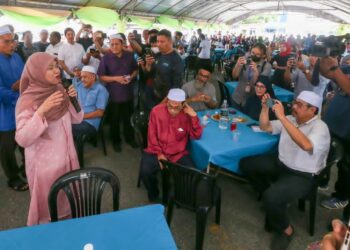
<point x="302" y="153"/>
<point x="172" y="123"/>
<point x="200" y="92"/>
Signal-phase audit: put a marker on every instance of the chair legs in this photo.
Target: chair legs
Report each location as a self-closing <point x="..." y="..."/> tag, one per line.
<point x="301" y="205"/>
<point x="139" y="178"/>
<point x="312" y="214"/>
<point x="201" y="220"/>
<point x="218" y="206"/>
<point x="103" y="142"/>
<point x="80" y="152"/>
<point x="165" y="186"/>
<point x="169" y="213"/>
<point x="312" y="207"/>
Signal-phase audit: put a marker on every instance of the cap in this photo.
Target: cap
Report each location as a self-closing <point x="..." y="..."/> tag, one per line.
<point x="5" y="30"/>
<point x="116" y="36"/>
<point x="177" y="95"/>
<point x="311" y="98"/>
<point x="90" y="69"/>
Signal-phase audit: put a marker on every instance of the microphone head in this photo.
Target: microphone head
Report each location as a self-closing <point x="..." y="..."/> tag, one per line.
<point x="66" y="83"/>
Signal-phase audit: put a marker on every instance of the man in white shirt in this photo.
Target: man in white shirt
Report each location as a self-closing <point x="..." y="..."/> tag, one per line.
<point x="302" y="154"/>
<point x="70" y="54"/>
<point x="55" y="43"/>
<point x="204" y="50"/>
<point x="93" y="54"/>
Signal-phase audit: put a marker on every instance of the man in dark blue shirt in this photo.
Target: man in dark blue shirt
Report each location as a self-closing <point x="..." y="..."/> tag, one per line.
<point x="11" y="67"/>
<point x="167" y="65"/>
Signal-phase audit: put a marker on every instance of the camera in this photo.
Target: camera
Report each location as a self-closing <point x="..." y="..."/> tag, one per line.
<point x="329" y="46"/>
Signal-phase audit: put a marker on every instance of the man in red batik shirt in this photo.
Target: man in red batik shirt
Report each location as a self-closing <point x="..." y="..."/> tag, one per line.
<point x="171" y="125"/>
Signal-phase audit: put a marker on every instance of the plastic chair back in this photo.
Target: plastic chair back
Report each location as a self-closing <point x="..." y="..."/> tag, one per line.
<point x="191" y="188"/>
<point x="139" y="122"/>
<point x="225" y="93"/>
<point x="84" y="189"/>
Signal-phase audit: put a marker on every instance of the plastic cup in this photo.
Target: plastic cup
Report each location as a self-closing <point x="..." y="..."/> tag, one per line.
<point x="235" y="135"/>
<point x="233" y="126"/>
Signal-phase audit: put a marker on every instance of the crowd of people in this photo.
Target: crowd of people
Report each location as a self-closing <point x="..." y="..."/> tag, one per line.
<point x="103" y="74"/>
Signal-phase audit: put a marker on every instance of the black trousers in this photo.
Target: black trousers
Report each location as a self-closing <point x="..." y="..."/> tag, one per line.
<point x="79" y="132"/>
<point x="121" y="112"/>
<point x="150" y="168"/>
<point x="7" y="155"/>
<point x="279" y="184"/>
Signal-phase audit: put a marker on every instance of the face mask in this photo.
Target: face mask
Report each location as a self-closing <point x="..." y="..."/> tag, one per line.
<point x="155" y="50"/>
<point x="255" y="58"/>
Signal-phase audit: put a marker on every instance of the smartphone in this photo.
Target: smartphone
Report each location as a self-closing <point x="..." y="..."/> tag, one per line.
<point x="148" y="52"/>
<point x="92" y="50"/>
<point x="270" y="103"/>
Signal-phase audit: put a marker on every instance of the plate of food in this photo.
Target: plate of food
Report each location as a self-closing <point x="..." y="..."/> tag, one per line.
<point x="215" y="117"/>
<point x="239" y="119"/>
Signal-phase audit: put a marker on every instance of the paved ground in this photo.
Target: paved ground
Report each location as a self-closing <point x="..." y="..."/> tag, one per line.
<point x="242" y="217"/>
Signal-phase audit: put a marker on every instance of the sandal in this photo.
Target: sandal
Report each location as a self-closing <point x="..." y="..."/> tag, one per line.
<point x="18" y="185"/>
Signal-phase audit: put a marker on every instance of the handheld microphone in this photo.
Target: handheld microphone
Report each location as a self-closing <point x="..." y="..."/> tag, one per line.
<point x="66" y="83"/>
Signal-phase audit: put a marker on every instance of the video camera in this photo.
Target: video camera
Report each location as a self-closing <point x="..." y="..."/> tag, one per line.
<point x="330" y="46"/>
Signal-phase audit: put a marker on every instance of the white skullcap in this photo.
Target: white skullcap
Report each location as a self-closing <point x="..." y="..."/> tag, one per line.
<point x="177" y="95"/>
<point x="116" y="36"/>
<point x="89" y="68"/>
<point x="5" y="30"/>
<point x="311" y="98"/>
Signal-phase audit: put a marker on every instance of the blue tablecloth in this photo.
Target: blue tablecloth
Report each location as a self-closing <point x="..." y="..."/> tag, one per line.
<point x="136" y="228"/>
<point x="281" y="94"/>
<point x="219" y="146"/>
<point x="219" y="50"/>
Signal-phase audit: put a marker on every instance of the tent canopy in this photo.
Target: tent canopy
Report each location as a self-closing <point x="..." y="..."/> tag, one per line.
<point x="210" y="11"/>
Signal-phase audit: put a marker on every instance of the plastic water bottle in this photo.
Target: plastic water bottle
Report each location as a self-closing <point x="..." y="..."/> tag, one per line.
<point x="224" y="119"/>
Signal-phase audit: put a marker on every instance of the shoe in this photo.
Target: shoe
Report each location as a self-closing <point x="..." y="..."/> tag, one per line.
<point x="18" y="185"/>
<point x="117" y="147"/>
<point x="133" y="144"/>
<point x="323" y="188"/>
<point x="281" y="241"/>
<point x="334" y="203"/>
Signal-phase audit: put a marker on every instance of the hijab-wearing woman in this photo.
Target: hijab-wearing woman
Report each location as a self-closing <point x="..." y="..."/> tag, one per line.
<point x="253" y="105"/>
<point x="44" y="118"/>
<point x="281" y="60"/>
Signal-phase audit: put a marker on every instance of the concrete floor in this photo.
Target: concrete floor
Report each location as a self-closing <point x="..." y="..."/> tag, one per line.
<point x="242" y="219"/>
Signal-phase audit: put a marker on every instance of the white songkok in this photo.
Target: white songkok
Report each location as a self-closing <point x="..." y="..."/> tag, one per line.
<point x="116" y="36"/>
<point x="5" y="30"/>
<point x="90" y="69"/>
<point x="311" y="98"/>
<point x="177" y="95"/>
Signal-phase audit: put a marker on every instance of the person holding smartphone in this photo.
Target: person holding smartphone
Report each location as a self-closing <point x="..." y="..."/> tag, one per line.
<point x="247" y="72"/>
<point x="289" y="175"/>
<point x="299" y="75"/>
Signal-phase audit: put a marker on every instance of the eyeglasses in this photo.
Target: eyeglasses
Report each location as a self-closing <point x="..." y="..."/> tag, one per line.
<point x="204" y="76"/>
<point x="8" y="41"/>
<point x="260" y="87"/>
